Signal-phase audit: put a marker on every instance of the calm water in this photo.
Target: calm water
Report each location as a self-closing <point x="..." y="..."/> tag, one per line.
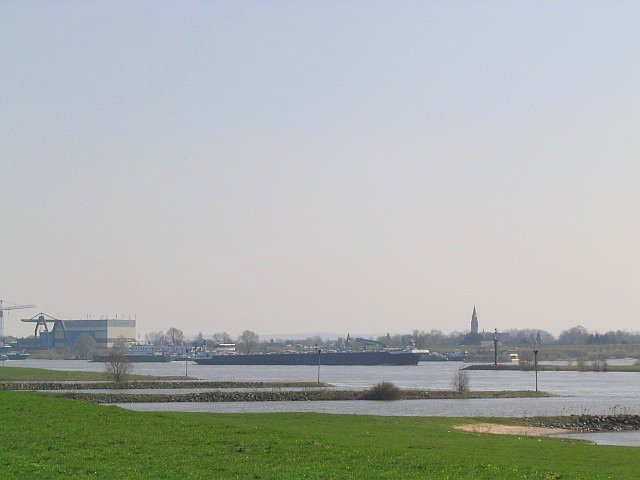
<point x="622" y="439"/>
<point x="578" y="392"/>
<point x="499" y="407"/>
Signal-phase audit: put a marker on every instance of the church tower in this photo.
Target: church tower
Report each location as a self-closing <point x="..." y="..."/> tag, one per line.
<point x="474" y="321"/>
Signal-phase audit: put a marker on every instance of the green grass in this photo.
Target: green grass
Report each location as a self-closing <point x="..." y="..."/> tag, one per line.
<point x="50" y="438"/>
<point x="587" y="352"/>
<point x="554" y="351"/>
<point x="528" y="367"/>
<point x="150" y="385"/>
<point x="33" y="374"/>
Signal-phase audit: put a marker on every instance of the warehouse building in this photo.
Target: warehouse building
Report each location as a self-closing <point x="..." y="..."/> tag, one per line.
<point x="105" y="332"/>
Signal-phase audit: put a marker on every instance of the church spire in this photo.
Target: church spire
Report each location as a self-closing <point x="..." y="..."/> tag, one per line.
<point x="474" y="321"/>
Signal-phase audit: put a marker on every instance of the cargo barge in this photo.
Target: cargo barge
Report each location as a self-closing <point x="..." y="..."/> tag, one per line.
<point x="313" y="358"/>
<point x="135" y="358"/>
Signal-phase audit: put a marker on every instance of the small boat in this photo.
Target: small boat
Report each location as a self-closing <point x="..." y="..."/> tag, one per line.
<point x="135" y="358"/>
<point x="17" y="356"/>
<point x="179" y="358"/>
<point x="433" y="357"/>
<point x="457" y="356"/>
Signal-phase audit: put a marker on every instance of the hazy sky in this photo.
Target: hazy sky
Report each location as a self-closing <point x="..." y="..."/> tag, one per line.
<point x="322" y="166"/>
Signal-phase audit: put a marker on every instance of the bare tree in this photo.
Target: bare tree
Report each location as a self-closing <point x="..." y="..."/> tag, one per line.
<point x="222" y="337"/>
<point x="460" y="381"/>
<point x="84" y="346"/>
<point x="175" y="336"/>
<point x="575" y="335"/>
<point x="314" y="340"/>
<point x="156" y="338"/>
<point x="248" y="342"/>
<point x="118" y="366"/>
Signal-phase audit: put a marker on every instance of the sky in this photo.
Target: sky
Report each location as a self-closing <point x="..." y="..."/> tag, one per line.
<point x="321" y="166"/>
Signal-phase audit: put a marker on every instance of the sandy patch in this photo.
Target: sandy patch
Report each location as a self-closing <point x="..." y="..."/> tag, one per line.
<point x="511" y="429"/>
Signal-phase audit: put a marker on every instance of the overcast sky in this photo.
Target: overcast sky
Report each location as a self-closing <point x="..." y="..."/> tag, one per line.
<point x="321" y="166"/>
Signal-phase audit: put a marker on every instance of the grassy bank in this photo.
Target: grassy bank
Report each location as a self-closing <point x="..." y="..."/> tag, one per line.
<point x="586" y="352"/>
<point x="554" y="351"/>
<point x="41" y="374"/>
<point x="150" y="385"/>
<point x="284" y="396"/>
<point x="556" y="368"/>
<point x="52" y="438"/>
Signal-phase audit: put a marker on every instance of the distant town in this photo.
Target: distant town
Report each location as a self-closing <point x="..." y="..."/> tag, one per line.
<point x="55" y="338"/>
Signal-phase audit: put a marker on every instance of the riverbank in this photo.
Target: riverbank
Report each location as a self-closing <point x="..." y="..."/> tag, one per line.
<point x="288" y="396"/>
<point x="544" y="426"/>
<point x="153" y="385"/>
<point x="8" y="373"/>
<point x="40" y="441"/>
<point x="528" y="367"/>
<point x="588" y="423"/>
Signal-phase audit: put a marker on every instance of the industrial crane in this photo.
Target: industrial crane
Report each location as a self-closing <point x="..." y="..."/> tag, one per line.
<point x="12" y="307"/>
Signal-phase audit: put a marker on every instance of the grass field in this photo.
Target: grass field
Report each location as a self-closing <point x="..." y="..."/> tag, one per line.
<point x="50" y="438"/>
<point x="33" y="374"/>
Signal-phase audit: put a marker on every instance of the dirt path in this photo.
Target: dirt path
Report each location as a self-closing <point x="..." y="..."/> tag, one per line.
<point x="511" y="429"/>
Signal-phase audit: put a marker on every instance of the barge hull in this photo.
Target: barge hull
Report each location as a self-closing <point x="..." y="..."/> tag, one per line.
<point x="328" y="358"/>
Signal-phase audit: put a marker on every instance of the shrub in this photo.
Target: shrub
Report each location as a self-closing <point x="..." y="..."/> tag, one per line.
<point x="460" y="381"/>
<point x="382" y="391"/>
<point x="118" y="366"/>
<point x="600" y="365"/>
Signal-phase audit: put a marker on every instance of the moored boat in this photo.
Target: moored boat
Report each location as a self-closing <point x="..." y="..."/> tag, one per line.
<point x="135" y="358"/>
<point x="17" y="356"/>
<point x="455" y="356"/>
<point x="433" y="357"/>
<point x="313" y="358"/>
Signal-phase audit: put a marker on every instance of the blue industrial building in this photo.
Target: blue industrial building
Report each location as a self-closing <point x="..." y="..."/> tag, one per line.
<point x="65" y="333"/>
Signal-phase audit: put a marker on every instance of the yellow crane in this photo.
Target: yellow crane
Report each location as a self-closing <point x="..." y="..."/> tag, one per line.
<point x="12" y="307"/>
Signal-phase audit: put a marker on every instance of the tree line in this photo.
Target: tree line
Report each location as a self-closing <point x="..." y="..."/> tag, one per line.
<point x="249" y="341"/>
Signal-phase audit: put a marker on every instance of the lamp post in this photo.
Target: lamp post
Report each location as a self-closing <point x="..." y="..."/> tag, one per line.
<point x="495" y="347"/>
<point x="535" y="365"/>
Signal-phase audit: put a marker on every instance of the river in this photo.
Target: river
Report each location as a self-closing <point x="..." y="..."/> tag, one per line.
<point x="577" y="392"/>
<point x="594" y="393"/>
